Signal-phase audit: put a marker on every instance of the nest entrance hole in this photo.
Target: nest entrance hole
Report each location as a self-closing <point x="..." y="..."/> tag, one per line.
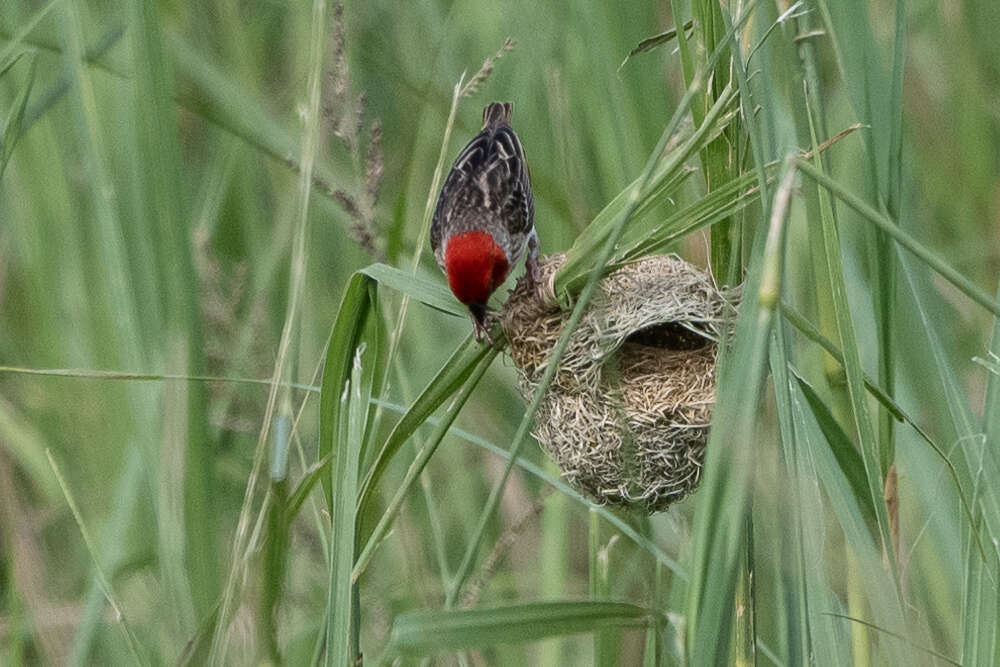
<point x="669" y="336"/>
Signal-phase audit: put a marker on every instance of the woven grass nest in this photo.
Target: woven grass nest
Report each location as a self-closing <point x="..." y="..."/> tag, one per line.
<point x="627" y="415"/>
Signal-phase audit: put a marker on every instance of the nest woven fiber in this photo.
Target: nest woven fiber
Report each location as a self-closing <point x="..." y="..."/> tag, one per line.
<point x="627" y="415"/>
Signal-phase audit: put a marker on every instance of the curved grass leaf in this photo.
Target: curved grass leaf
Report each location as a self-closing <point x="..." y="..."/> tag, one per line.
<point x="879" y="590"/>
<point x="416" y="286"/>
<point x="922" y="649"/>
<point x="371" y="539"/>
<point x="892" y="408"/>
<point x="651" y="43"/>
<point x="808" y="588"/>
<point x="304" y="487"/>
<point x="355" y="307"/>
<point x="428" y="632"/>
<point x="446" y="382"/>
<point x="843" y="450"/>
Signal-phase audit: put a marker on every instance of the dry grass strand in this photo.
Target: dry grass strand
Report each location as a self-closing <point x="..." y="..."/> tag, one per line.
<point x="480" y="77"/>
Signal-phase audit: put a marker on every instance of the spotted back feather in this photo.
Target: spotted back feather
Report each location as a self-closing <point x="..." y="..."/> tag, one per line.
<point x="488" y="188"/>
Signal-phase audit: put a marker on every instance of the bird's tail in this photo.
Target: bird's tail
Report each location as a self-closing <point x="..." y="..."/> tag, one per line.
<point x="497" y="114"/>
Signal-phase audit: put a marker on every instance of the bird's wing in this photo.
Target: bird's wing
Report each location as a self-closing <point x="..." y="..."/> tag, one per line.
<point x="512" y="179"/>
<point x="456" y="193"/>
<point x="490" y="174"/>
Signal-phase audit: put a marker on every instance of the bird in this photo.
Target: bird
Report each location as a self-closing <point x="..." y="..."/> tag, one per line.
<point x="484" y="218"/>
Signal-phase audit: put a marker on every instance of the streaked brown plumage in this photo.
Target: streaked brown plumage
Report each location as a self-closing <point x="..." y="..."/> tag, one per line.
<point x="484" y="218"/>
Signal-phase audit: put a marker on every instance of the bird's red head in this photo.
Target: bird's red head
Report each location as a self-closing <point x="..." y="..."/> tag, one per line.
<point x="475" y="266"/>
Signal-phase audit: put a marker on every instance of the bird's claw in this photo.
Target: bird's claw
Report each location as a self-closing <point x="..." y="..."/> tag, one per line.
<point x="534" y="271"/>
<point x="482" y="332"/>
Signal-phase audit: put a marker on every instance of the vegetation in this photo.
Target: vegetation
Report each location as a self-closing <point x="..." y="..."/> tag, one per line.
<point x="242" y="419"/>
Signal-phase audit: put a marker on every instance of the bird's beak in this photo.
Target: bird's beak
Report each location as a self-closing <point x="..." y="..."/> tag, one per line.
<point x="478" y="312"/>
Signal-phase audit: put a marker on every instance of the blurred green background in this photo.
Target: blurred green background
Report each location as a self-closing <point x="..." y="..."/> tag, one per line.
<point x="148" y="219"/>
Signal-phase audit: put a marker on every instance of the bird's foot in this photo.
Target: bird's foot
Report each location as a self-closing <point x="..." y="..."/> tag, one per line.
<point x="534" y="271"/>
<point x="482" y="331"/>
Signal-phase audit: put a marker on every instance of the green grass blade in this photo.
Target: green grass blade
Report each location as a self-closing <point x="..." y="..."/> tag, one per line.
<point x="991" y="409"/>
<point x="623" y="527"/>
<point x="7" y="54"/>
<point x="417" y="286"/>
<point x="282" y="371"/>
<point x="841" y="495"/>
<point x="102" y="579"/>
<point x="428" y="632"/>
<point x="879" y="590"/>
<point x="164" y="218"/>
<point x="15" y="119"/>
<point x="653" y="42"/>
<point x="306" y="484"/>
<point x="980" y="613"/>
<point x="964" y="423"/>
<point x="373" y="538"/>
<point x="659" y="234"/>
<point x="353" y="408"/>
<point x="848" y="459"/>
<point x="988" y="615"/>
<point x="648" y="193"/>
<point x="553" y="568"/>
<point x="902" y="238"/>
<point x="718" y="156"/>
<point x="807" y="635"/>
<point x="858" y="401"/>
<point x="884" y="285"/>
<point x="606" y="642"/>
<point x="849" y="26"/>
<point x="891" y="408"/>
<point x="123" y="376"/>
<point x="806" y="328"/>
<point x="724" y="495"/>
<point x="345" y="337"/>
<point x="922" y="649"/>
<point x="451" y="378"/>
<point x="687" y="58"/>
